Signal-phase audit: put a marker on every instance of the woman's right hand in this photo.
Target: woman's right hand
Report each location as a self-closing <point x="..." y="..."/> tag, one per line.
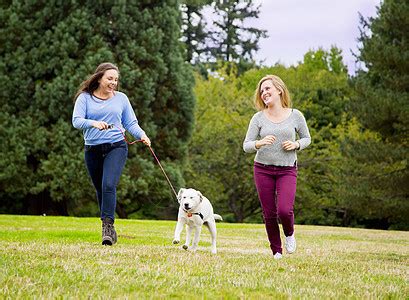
<point x="267" y="140"/>
<point x="146" y="140"/>
<point x="101" y="125"/>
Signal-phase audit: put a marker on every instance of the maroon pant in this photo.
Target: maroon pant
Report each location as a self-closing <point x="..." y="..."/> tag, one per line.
<point x="276" y="190"/>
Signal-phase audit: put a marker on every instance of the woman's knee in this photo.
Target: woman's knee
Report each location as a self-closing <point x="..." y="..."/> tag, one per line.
<point x="284" y="213"/>
<point x="270" y="216"/>
<point x="109" y="187"/>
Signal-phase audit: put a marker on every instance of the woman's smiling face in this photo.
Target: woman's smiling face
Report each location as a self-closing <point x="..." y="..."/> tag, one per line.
<point x="269" y="93"/>
<point x="109" y="81"/>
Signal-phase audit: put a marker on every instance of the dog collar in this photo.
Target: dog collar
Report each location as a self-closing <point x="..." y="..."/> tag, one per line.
<point x="190" y="214"/>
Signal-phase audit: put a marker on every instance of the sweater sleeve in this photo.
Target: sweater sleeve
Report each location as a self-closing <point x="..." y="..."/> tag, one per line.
<point x="249" y="144"/>
<point x="79" y="120"/>
<point x="130" y="122"/>
<point x="303" y="132"/>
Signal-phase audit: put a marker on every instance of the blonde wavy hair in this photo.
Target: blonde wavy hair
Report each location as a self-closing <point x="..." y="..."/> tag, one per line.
<point x="279" y="85"/>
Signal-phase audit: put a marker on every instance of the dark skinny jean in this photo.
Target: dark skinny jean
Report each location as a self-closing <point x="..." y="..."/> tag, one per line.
<point x="276" y="188"/>
<point x="105" y="163"/>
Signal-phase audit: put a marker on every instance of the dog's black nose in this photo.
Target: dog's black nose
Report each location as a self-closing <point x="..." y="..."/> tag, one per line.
<point x="186" y="205"/>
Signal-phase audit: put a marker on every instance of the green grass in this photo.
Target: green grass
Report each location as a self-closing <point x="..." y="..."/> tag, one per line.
<point x="61" y="257"/>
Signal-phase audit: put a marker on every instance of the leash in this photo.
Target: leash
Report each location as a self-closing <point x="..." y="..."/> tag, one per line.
<point x="153" y="153"/>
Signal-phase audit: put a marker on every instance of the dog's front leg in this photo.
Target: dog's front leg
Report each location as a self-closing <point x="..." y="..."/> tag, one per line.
<point x="188" y="237"/>
<point x="178" y="231"/>
<point x="196" y="239"/>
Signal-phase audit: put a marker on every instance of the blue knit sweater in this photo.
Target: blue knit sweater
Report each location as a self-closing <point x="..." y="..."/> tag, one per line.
<point x="116" y="110"/>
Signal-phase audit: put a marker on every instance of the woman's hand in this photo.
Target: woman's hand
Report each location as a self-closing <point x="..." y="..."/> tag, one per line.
<point x="289" y="145"/>
<point x="146" y="140"/>
<point x="267" y="140"/>
<point x="101" y="125"/>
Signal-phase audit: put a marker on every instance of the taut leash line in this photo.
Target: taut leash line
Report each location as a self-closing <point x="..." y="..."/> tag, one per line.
<point x="163" y="171"/>
<point x="154" y="155"/>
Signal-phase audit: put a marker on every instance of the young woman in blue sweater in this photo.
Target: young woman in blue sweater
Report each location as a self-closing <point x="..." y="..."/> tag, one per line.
<point x="103" y="113"/>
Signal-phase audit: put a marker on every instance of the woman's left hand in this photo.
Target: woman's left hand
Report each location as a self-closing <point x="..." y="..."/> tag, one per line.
<point x="289" y="145"/>
<point x="146" y="140"/>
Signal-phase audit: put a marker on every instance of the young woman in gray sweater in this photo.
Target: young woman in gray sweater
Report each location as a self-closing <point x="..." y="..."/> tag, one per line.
<point x="276" y="133"/>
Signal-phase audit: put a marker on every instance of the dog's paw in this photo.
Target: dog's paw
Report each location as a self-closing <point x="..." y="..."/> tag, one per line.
<point x="176" y="241"/>
<point x="185" y="247"/>
<point x="214" y="251"/>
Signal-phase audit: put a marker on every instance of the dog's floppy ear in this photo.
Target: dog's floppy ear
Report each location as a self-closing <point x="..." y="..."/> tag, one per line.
<point x="180" y="194"/>
<point x="200" y="196"/>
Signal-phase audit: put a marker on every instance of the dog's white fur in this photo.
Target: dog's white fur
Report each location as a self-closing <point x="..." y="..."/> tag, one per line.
<point x="192" y="204"/>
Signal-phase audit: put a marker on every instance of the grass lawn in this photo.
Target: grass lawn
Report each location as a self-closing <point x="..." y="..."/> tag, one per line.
<point x="61" y="257"/>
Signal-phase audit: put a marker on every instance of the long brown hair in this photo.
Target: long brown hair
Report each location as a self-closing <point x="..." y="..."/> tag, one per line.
<point x="279" y="85"/>
<point x="91" y="84"/>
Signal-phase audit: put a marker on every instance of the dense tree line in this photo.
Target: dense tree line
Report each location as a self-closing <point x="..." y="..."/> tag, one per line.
<point x="379" y="169"/>
<point x="354" y="173"/>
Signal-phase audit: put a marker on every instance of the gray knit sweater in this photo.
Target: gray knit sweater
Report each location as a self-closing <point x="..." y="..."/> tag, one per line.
<point x="260" y="126"/>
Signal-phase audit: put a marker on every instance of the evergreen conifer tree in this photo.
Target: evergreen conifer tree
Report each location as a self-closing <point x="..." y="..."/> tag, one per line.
<point x="195" y="33"/>
<point x="382" y="105"/>
<point x="232" y="40"/>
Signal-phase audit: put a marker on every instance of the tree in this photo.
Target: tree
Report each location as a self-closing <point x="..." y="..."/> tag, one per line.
<point x="382" y="106"/>
<point x="225" y="40"/>
<point x="48" y="48"/>
<point x="194" y="29"/>
<point x="232" y="40"/>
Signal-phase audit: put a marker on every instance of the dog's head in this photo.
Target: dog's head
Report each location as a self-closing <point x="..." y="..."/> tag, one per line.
<point x="189" y="198"/>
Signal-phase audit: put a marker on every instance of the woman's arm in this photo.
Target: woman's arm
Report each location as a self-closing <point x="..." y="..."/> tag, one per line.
<point x="303" y="133"/>
<point x="78" y="116"/>
<point x="130" y="122"/>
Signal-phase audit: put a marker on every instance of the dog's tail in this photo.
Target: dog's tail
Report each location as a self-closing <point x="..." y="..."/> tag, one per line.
<point x="218" y="217"/>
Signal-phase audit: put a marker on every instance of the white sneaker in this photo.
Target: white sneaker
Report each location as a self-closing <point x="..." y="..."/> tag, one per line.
<point x="290" y="244"/>
<point x="278" y="255"/>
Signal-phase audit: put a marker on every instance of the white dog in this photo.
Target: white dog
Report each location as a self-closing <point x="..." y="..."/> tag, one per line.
<point x="194" y="211"/>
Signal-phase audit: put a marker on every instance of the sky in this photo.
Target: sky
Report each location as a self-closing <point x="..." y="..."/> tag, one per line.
<point x="297" y="26"/>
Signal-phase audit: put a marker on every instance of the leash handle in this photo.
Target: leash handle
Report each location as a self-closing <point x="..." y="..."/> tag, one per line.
<point x="153" y="153"/>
